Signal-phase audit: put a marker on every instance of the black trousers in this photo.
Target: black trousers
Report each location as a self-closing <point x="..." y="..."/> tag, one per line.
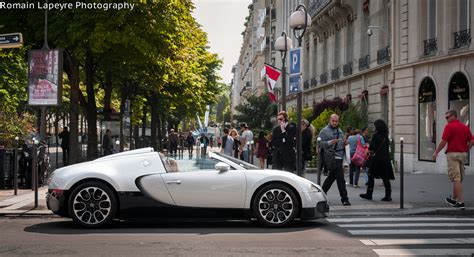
<point x="386" y="184"/>
<point x="336" y="175"/>
<point x="65" y="155"/>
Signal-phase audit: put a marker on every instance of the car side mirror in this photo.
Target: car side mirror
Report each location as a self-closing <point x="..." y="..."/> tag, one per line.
<point x="222" y="167"/>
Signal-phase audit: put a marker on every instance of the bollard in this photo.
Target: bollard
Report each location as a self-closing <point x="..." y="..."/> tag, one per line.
<point x="319" y="161"/>
<point x="34" y="171"/>
<point x="15" y="168"/>
<point x="401" y="173"/>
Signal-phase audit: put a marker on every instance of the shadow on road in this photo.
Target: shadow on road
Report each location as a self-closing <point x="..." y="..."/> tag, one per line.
<point x="67" y="227"/>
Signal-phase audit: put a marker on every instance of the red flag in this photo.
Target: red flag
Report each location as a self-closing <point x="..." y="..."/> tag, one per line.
<point x="272" y="77"/>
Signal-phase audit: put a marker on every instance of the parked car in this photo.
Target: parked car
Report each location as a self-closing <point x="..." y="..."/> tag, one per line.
<point x="145" y="184"/>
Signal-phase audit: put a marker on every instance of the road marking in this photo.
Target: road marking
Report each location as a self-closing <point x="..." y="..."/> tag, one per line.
<point x="410" y="232"/>
<point x="391" y="219"/>
<point x="418" y="241"/>
<point x="423" y="252"/>
<point x="377" y="225"/>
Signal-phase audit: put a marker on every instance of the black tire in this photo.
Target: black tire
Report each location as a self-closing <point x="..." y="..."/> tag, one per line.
<point x="92" y="204"/>
<point x="275" y="205"/>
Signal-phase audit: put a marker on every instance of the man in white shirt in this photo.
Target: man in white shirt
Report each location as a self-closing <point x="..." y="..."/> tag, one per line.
<point x="245" y="139"/>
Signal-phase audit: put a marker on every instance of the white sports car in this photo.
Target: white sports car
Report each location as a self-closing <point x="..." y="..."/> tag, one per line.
<point x="144" y="184"/>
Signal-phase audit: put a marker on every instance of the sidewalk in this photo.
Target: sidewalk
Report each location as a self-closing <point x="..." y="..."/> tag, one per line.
<point x="423" y="194"/>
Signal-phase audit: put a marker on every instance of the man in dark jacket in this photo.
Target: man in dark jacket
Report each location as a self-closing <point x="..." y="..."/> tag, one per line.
<point x="283" y="141"/>
<point x="64" y="136"/>
<point x="332" y="141"/>
<point x="306" y="140"/>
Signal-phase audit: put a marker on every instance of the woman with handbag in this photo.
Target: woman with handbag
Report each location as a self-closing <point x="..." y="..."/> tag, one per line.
<point x="357" y="145"/>
<point x="379" y="162"/>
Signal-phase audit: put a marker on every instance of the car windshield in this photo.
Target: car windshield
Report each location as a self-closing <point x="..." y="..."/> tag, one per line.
<point x="241" y="163"/>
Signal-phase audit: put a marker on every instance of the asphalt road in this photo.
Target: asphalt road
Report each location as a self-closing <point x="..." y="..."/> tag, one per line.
<point x="49" y="236"/>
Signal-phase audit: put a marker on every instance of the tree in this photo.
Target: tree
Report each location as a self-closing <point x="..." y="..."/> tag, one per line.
<point x="257" y="112"/>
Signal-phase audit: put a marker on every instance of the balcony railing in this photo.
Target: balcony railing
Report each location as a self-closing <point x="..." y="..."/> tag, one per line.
<point x="364" y="62"/>
<point x="306" y="85"/>
<point x="335" y="73"/>
<point x="383" y="55"/>
<point x="462" y="38"/>
<point x="314" y="82"/>
<point x="323" y="78"/>
<point x="316" y="6"/>
<point x="347" y="69"/>
<point x="430" y="46"/>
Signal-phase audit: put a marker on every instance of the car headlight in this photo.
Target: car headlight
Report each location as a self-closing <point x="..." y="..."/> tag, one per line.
<point x="315" y="188"/>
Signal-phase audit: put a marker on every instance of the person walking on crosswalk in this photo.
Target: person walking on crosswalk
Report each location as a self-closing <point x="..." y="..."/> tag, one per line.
<point x="379" y="163"/>
<point x="459" y="139"/>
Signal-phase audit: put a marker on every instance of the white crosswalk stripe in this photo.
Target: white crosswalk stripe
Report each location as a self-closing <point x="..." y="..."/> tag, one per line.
<point x="412" y="236"/>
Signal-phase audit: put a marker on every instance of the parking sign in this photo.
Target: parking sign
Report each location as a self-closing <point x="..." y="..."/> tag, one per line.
<point x="295" y="70"/>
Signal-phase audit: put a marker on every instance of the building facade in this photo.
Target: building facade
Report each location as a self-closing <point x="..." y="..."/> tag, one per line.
<point x="408" y="61"/>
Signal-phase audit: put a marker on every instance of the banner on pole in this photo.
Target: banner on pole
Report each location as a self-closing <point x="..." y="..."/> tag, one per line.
<point x="45" y="69"/>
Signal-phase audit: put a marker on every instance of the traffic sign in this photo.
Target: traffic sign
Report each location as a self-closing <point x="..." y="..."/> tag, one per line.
<point x="295" y="70"/>
<point x="295" y="82"/>
<point x="295" y="61"/>
<point x="13" y="40"/>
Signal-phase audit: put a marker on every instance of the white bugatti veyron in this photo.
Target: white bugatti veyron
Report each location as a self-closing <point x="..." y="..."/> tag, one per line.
<point x="145" y="184"/>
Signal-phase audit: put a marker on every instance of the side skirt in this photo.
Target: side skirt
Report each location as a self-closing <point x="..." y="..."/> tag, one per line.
<point x="135" y="205"/>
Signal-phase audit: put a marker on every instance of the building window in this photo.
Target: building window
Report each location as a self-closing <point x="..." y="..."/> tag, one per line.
<point x="426" y="120"/>
<point x="464" y="15"/>
<point x="349" y="42"/>
<point x="432" y="19"/>
<point x="459" y="99"/>
<point x="337" y="48"/>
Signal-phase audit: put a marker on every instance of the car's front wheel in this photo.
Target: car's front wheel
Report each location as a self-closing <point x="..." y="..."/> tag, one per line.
<point x="92" y="204"/>
<point x="275" y="205"/>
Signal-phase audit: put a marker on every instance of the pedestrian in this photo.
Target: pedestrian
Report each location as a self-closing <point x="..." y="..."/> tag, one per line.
<point x="173" y="140"/>
<point x="190" y="144"/>
<point x="235" y="135"/>
<point x="283" y="141"/>
<point x="227" y="143"/>
<point x="354" y="170"/>
<point x="332" y="141"/>
<point x="379" y="162"/>
<point x="219" y="141"/>
<point x="262" y="149"/>
<point x="270" y="151"/>
<point x="204" y="140"/>
<point x="64" y="136"/>
<point x="365" y="135"/>
<point x="107" y="142"/>
<point x="306" y="140"/>
<point x="245" y="141"/>
<point x="459" y="139"/>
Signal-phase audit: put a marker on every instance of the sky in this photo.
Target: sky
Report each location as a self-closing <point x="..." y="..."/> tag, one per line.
<point x="223" y="21"/>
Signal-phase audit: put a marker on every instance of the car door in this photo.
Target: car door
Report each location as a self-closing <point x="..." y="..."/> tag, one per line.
<point x="208" y="188"/>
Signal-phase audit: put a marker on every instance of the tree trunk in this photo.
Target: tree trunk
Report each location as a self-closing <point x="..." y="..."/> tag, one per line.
<point x="144" y="121"/>
<point x="107" y="96"/>
<point x="91" y="110"/>
<point x="154" y="121"/>
<point x="71" y="67"/>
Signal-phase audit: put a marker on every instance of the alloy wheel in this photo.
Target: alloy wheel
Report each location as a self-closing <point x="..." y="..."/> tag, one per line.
<point x="276" y="206"/>
<point x="92" y="205"/>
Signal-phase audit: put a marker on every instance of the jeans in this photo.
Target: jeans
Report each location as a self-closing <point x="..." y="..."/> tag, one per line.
<point x="336" y="175"/>
<point x="246" y="154"/>
<point x="354" y="172"/>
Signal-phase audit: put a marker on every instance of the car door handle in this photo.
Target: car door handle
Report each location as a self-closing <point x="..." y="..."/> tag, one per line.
<point x="174" y="182"/>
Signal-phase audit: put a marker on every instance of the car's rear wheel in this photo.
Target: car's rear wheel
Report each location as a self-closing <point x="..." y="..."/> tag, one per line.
<point x="92" y="204"/>
<point x="275" y="205"/>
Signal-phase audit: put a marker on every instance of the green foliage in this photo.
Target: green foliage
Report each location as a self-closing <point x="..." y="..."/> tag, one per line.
<point x="256" y="112"/>
<point x="307" y="113"/>
<point x="355" y="116"/>
<point x="322" y="120"/>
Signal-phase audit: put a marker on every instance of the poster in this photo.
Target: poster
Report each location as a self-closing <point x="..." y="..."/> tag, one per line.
<point x="44" y="77"/>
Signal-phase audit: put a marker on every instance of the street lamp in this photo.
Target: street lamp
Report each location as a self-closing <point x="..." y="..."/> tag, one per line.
<point x="283" y="44"/>
<point x="370" y="27"/>
<point x="299" y="22"/>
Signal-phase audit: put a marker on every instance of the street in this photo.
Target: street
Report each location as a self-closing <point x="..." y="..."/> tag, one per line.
<point x="380" y="235"/>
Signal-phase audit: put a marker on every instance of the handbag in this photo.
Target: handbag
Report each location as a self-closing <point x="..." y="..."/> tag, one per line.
<point x="359" y="157"/>
<point x="329" y="159"/>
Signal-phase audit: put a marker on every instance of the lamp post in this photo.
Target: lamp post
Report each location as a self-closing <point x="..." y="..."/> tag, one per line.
<point x="283" y="44"/>
<point x="15" y="167"/>
<point x="299" y="22"/>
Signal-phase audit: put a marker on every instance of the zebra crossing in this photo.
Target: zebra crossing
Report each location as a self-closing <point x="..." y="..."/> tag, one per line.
<point x="412" y="236"/>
